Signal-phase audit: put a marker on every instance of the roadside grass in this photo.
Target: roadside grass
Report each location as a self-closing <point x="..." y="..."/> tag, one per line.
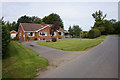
<point x="21" y="62"/>
<point x="102" y="37"/>
<point x="71" y="44"/>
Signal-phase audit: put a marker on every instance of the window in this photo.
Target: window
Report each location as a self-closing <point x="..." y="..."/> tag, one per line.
<point x="59" y="33"/>
<point x="31" y="34"/>
<point x="50" y="34"/>
<point x="54" y="33"/>
<point x="43" y="33"/>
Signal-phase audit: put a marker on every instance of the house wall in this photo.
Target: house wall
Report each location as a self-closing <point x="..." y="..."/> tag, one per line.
<point x="37" y="34"/>
<point x="13" y="35"/>
<point x="21" y="34"/>
<point x="47" y="29"/>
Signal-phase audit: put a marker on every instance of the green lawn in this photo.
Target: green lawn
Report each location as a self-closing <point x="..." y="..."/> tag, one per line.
<point x="102" y="37"/>
<point x="71" y="44"/>
<point x="22" y="62"/>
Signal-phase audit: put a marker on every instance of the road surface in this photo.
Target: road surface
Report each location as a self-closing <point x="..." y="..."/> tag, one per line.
<point x="99" y="62"/>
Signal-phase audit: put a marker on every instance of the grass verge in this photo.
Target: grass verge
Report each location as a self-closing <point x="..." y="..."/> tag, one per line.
<point x="21" y="62"/>
<point x="71" y="44"/>
<point x="102" y="37"/>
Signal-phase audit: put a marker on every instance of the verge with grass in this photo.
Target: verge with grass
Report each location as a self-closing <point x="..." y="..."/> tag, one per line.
<point x="102" y="37"/>
<point x="71" y="44"/>
<point x="21" y="62"/>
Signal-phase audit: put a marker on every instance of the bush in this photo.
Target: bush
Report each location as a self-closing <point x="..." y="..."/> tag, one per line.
<point x="35" y="38"/>
<point x="59" y="37"/>
<point x="16" y="38"/>
<point x="94" y="33"/>
<point x="54" y="40"/>
<point x="76" y="36"/>
<point x="86" y="34"/>
<point x="27" y="37"/>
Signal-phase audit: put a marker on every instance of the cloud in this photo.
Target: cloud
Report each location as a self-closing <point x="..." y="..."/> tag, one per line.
<point x="70" y="12"/>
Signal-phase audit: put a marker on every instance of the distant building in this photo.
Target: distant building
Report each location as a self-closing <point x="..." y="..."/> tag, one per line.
<point x="119" y="11"/>
<point x="13" y="34"/>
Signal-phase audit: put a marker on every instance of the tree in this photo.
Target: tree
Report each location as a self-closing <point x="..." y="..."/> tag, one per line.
<point x="54" y="28"/>
<point x="75" y="31"/>
<point x="101" y="29"/>
<point x="52" y="18"/>
<point x="27" y="19"/>
<point x="104" y="26"/>
<point x="5" y="36"/>
<point x="93" y="33"/>
<point x="109" y="29"/>
<point x="36" y="19"/>
<point x="99" y="18"/>
<point x="116" y="27"/>
<point x="70" y="30"/>
<point x="13" y="26"/>
<point x="23" y="19"/>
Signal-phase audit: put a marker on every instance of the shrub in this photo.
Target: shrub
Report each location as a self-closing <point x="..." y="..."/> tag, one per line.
<point x="59" y="37"/>
<point x="27" y="37"/>
<point x="94" y="33"/>
<point x="86" y="34"/>
<point x="35" y="38"/>
<point x="54" y="40"/>
<point x="76" y="36"/>
<point x="16" y="38"/>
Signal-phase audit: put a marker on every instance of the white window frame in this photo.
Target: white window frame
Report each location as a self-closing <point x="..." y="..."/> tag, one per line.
<point x="32" y="35"/>
<point x="44" y="33"/>
<point x="61" y="33"/>
<point x="54" y="33"/>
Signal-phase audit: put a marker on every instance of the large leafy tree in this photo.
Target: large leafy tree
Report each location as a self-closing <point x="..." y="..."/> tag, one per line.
<point x="24" y="19"/>
<point x="99" y="18"/>
<point x="109" y="29"/>
<point x="52" y="18"/>
<point x="70" y="30"/>
<point x="36" y="19"/>
<point x="54" y="28"/>
<point x="75" y="30"/>
<point x="5" y="36"/>
<point x="27" y="19"/>
<point x="116" y="27"/>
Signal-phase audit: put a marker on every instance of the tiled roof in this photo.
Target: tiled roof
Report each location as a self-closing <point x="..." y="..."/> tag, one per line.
<point x="32" y="26"/>
<point x="35" y="27"/>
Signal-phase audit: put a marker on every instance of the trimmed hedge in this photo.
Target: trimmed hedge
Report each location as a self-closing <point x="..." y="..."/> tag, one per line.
<point x="94" y="33"/>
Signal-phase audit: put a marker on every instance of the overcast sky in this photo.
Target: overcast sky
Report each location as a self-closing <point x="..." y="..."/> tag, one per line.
<point x="71" y="13"/>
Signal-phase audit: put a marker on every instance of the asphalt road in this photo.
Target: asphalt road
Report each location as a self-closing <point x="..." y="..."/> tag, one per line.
<point x="99" y="62"/>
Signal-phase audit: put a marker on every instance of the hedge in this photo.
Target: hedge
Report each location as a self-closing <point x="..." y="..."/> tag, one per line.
<point x="94" y="33"/>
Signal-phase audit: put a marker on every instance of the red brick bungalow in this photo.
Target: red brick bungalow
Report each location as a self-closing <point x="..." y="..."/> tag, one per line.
<point x="40" y="31"/>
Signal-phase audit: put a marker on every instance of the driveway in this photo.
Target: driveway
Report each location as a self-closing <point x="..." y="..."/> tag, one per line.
<point x="98" y="62"/>
<point x="55" y="56"/>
